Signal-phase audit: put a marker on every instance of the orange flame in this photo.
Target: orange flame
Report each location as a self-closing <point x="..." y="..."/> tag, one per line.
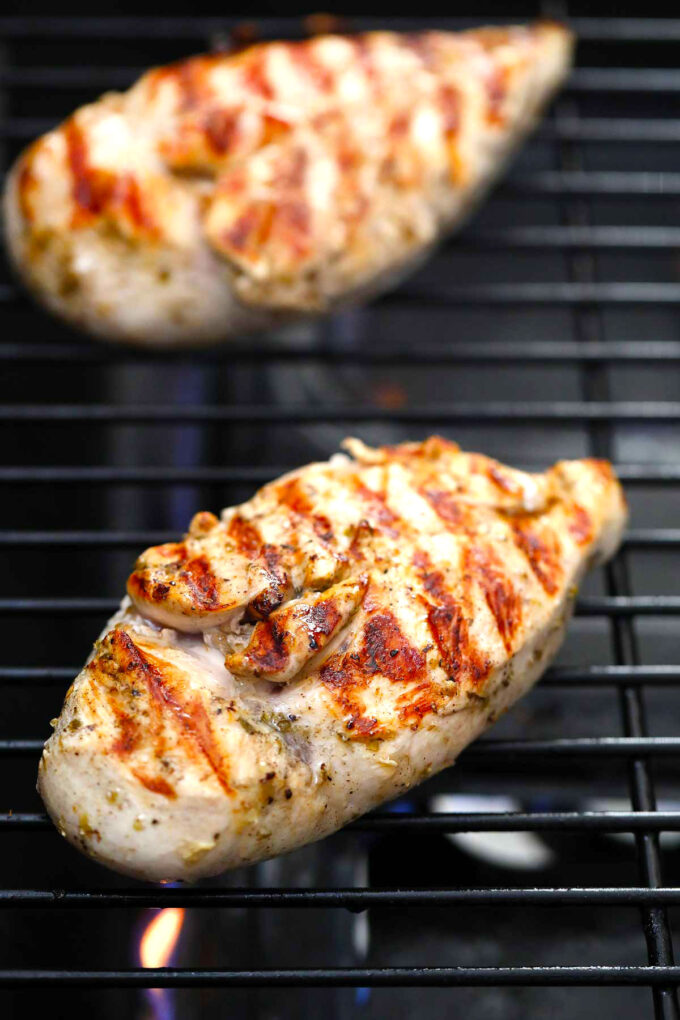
<point x="160" y="937"/>
<point x="156" y="947"/>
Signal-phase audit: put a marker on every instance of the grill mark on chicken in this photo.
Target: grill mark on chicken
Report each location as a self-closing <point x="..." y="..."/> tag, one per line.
<point x="293" y="495"/>
<point x="150" y="588"/>
<point x="283" y="645"/>
<point x="191" y="78"/>
<point x="26" y="184"/>
<point x="448" y="625"/>
<point x="581" y="525"/>
<point x="245" y="536"/>
<point x="449" y="628"/>
<point x="603" y="469"/>
<point x="384" y="651"/>
<point x="155" y="784"/>
<point x="320" y="620"/>
<point x="91" y="189"/>
<point x="250" y="230"/>
<point x="202" y="583"/>
<point x="304" y="56"/>
<point x="450" y="104"/>
<point x="293" y="224"/>
<point x="190" y="717"/>
<point x="279" y="587"/>
<point x="501" y="596"/>
<point x="502" y="481"/>
<point x="382" y="638"/>
<point x="255" y="75"/>
<point x="496" y="91"/>
<point x="542" y="552"/>
<point x="221" y="129"/>
<point x="98" y="192"/>
<point x="455" y="515"/>
<point x="379" y="513"/>
<point x="268" y="650"/>
<point x="129" y="731"/>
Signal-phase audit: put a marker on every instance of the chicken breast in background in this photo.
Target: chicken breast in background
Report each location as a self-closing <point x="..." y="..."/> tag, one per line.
<point x="317" y="651"/>
<point x="228" y="193"/>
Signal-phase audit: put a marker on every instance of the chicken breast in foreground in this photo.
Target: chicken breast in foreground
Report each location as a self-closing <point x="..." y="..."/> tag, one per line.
<point x="228" y="193"/>
<point x="317" y="651"/>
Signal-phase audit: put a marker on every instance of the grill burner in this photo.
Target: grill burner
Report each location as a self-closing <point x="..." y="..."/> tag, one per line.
<point x="548" y="329"/>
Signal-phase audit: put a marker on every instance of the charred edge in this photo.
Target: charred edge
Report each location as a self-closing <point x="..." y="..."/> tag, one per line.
<point x="142" y="584"/>
<point x="320" y="621"/>
<point x="279" y="587"/>
<point x="267" y="651"/>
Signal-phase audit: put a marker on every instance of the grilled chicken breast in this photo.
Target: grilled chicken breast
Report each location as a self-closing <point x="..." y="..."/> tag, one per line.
<point x="317" y="651"/>
<point x="228" y="193"/>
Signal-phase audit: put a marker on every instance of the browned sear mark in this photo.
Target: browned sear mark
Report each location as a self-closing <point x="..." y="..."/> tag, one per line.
<point x="541" y="550"/>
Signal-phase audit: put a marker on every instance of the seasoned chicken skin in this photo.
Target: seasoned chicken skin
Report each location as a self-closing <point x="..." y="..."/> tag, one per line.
<point x="231" y="192"/>
<point x="418" y="592"/>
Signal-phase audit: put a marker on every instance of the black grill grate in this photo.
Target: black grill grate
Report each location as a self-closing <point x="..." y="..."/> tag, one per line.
<point x="91" y="474"/>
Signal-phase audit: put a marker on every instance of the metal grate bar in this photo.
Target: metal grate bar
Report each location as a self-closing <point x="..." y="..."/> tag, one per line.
<point x="510" y="294"/>
<point x="482" y="351"/>
<point x="610" y="30"/>
<point x="516" y="821"/>
<point x="635" y="539"/>
<point x="520" y="412"/>
<point x="531" y="237"/>
<point x="350" y="899"/>
<point x="602" y="183"/>
<point x="352" y="977"/>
